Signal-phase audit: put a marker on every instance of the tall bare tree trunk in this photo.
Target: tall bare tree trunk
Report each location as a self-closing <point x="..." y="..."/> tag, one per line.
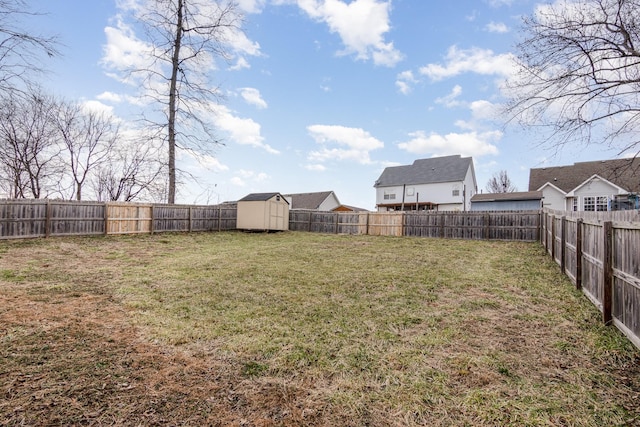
<point x="175" y="65"/>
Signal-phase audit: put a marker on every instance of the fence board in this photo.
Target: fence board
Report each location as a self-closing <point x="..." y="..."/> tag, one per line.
<point x="601" y="257"/>
<point x="129" y="218"/>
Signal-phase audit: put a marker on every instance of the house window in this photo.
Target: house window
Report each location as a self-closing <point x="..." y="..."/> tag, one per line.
<point x="389" y="196"/>
<point x="602" y="203"/>
<point x="455" y="193"/>
<point x="575" y="204"/>
<point x="599" y="203"/>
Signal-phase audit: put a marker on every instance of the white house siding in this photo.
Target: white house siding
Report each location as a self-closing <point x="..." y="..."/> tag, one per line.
<point x="330" y="203"/>
<point x="438" y="194"/>
<point x="594" y="188"/>
<point x="553" y="198"/>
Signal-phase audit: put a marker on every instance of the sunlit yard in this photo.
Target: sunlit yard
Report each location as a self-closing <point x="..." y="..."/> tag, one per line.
<point x="303" y="329"/>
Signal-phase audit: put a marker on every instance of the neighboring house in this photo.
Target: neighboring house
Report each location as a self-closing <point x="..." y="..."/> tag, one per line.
<point x="347" y="208"/>
<point x="516" y="201"/>
<point x="320" y="201"/>
<point x="439" y="183"/>
<point x="589" y="186"/>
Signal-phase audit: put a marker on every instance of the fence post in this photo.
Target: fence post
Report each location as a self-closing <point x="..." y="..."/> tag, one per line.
<point x="487" y="226"/>
<point x="106" y="218"/>
<point x="153" y="218"/>
<point x="579" y="254"/>
<point x="367" y="225"/>
<point x="553" y="237"/>
<point x="309" y="223"/>
<point x="441" y="225"/>
<point x="607" y="268"/>
<point x="337" y="221"/>
<point x="190" y="219"/>
<point x="220" y="217"/>
<point x="47" y="220"/>
<point x="563" y="245"/>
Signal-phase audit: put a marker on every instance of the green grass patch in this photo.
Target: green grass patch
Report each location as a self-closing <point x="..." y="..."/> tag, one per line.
<point x="420" y="331"/>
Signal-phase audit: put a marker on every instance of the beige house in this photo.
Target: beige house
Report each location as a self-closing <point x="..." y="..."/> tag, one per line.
<point x="589" y="186"/>
<point x="263" y="212"/>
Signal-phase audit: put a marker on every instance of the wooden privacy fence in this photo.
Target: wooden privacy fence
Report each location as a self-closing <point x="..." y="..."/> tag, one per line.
<point x="521" y="225"/>
<point x="44" y="218"/>
<point x="600" y="253"/>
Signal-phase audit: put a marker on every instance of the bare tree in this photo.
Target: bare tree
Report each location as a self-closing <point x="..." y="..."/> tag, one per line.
<point x="579" y="73"/>
<point x="29" y="153"/>
<point x="20" y="51"/>
<point x="134" y="172"/>
<point x="185" y="38"/>
<point x="500" y="183"/>
<point x="89" y="138"/>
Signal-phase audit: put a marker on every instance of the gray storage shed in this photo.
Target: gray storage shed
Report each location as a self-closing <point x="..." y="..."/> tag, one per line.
<point x="263" y="212"/>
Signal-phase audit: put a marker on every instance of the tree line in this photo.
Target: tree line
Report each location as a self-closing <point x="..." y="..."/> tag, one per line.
<point x="56" y="148"/>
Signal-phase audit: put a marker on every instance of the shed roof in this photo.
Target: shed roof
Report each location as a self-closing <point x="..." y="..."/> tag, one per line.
<point x="517" y="195"/>
<point x="259" y="197"/>
<point x="426" y="171"/>
<point x="308" y="200"/>
<point x="624" y="173"/>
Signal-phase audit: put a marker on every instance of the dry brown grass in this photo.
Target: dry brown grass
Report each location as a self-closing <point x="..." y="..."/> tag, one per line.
<point x="302" y="329"/>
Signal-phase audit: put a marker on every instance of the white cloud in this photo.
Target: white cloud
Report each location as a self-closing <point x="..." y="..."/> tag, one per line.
<point x="404" y="82"/>
<point x="242" y="176"/>
<point x="496" y="27"/>
<point x="124" y="50"/>
<point x="467" y="144"/>
<point x="110" y="97"/>
<point x="358" y="143"/>
<point x="361" y="25"/>
<point x="315" y="167"/>
<point x="241" y="131"/>
<point x="251" y="6"/>
<point x="98" y="107"/>
<point x="241" y="64"/>
<point x="451" y="100"/>
<point x="252" y="96"/>
<point x="474" y="60"/>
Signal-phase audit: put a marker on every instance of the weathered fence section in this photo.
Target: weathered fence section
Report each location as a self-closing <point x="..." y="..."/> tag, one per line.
<point x="523" y="225"/>
<point x="600" y="253"/>
<point x="44" y="218"/>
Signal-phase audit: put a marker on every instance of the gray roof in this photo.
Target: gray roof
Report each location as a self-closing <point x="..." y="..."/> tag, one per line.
<point x="426" y="171"/>
<point x="308" y="200"/>
<point x="258" y="197"/>
<point x="517" y="195"/>
<point x="624" y="173"/>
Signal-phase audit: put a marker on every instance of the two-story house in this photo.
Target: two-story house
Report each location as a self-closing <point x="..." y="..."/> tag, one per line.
<point x="589" y="186"/>
<point x="439" y="183"/>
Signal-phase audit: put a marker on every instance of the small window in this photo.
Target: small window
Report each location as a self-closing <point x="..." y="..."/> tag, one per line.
<point x="575" y="204"/>
<point x="389" y="196"/>
<point x="455" y="193"/>
<point x="589" y="203"/>
<point x="602" y="203"/>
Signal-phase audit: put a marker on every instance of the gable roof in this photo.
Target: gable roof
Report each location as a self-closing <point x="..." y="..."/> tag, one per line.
<point x="427" y="171"/>
<point x="259" y="197"/>
<point x="624" y="173"/>
<point x="518" y="195"/>
<point x="309" y="200"/>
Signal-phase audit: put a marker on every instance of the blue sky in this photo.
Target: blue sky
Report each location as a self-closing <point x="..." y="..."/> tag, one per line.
<point x="324" y="94"/>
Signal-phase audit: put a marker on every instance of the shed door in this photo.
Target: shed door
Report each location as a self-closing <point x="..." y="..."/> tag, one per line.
<point x="276" y="216"/>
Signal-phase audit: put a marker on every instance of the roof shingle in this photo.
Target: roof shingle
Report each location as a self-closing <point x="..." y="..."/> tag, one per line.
<point x="426" y="171"/>
<point x="624" y="173"/>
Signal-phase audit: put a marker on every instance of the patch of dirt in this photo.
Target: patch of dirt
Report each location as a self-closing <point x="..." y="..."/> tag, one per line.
<point x="78" y="361"/>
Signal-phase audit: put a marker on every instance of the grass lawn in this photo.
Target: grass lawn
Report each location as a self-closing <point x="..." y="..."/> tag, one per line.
<point x="303" y="329"/>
